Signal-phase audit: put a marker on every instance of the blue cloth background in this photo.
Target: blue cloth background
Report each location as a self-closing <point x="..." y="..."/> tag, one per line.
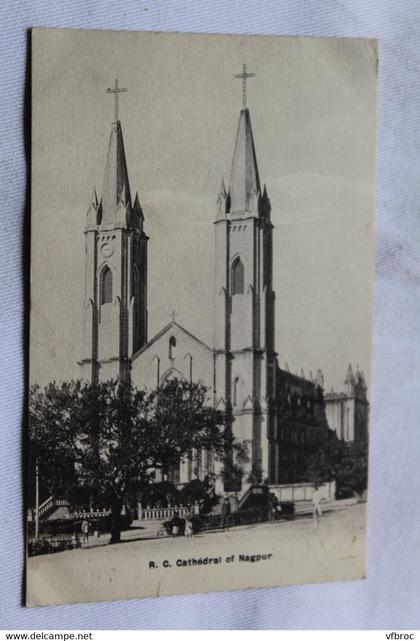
<point x="390" y="597"/>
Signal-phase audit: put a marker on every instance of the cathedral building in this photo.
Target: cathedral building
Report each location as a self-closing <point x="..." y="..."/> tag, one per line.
<point x="348" y="411"/>
<point x="276" y="414"/>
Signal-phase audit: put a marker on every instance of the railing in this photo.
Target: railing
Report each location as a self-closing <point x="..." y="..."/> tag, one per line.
<point x="245" y="496"/>
<point x="51" y="503"/>
<point x="90" y="514"/>
<point x="210" y="495"/>
<point x="46" y="505"/>
<point x="162" y="513"/>
<point x="219" y="521"/>
<point x="296" y="492"/>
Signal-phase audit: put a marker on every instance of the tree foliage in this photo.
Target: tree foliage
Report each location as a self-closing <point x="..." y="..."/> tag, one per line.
<point x="344" y="462"/>
<point x="234" y="467"/>
<point x="110" y="437"/>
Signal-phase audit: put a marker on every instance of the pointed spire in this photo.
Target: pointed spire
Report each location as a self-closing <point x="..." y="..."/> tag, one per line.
<point x="137" y="217"/>
<point x="319" y="378"/>
<point x="286" y="367"/>
<point x="302" y="373"/>
<point x="222" y="201"/>
<point x="137" y="207"/>
<point x="116" y="187"/>
<point x="350" y="380"/>
<point x="93" y="211"/>
<point x="94" y="199"/>
<point x="264" y="205"/>
<point x="244" y="178"/>
<point x="349" y="376"/>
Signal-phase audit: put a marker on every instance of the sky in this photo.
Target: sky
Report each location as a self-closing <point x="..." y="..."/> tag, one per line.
<point x="312" y="105"/>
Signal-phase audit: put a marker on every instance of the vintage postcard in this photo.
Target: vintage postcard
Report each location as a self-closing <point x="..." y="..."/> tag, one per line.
<point x="200" y="336"/>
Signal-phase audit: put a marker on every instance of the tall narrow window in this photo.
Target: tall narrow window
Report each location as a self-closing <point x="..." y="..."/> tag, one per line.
<point x="106" y="286"/>
<point x="235" y="391"/>
<point x="135" y="282"/>
<point x="172" y="345"/>
<point x="138" y="337"/>
<point x="237" y="277"/>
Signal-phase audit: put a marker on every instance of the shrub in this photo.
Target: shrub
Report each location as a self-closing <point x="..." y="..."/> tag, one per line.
<point x="39" y="546"/>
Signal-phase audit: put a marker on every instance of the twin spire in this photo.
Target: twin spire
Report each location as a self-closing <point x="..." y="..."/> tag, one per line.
<point x="115" y="206"/>
<point x="244" y="194"/>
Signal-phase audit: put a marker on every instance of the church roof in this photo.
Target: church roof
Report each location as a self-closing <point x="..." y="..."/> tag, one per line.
<point x="163" y="331"/>
<point x="244" y="177"/>
<point x="115" y="185"/>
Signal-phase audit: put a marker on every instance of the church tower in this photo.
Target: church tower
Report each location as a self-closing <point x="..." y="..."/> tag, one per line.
<point x="115" y="304"/>
<point x="244" y="304"/>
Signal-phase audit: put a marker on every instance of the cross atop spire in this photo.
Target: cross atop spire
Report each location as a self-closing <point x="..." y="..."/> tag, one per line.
<point x="116" y="91"/>
<point x="244" y="75"/>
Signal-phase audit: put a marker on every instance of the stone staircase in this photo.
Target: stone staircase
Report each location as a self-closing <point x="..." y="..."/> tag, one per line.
<point x="217" y="508"/>
<point x="54" y="508"/>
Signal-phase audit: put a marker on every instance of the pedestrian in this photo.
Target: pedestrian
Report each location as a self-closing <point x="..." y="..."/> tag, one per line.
<point x="316" y="502"/>
<point x="226" y="513"/>
<point x="188" y="527"/>
<point x="85" y="531"/>
<point x="272" y="516"/>
<point x="175" y="525"/>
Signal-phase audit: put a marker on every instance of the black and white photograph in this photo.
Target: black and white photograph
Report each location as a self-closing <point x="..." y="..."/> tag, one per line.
<point x="202" y="243"/>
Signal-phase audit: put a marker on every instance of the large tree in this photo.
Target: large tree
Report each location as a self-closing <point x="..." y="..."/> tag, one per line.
<point x="344" y="462"/>
<point x="51" y="442"/>
<point x="110" y="437"/>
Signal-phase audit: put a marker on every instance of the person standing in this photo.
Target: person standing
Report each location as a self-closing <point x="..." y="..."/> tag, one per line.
<point x="316" y="502"/>
<point x="175" y="525"/>
<point x="272" y="515"/>
<point x="188" y="527"/>
<point x="226" y="513"/>
<point x="85" y="531"/>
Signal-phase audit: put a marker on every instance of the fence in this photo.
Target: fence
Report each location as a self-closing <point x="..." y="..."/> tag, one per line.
<point x="218" y="521"/>
<point x="163" y="513"/>
<point x="297" y="492"/>
<point x="91" y="514"/>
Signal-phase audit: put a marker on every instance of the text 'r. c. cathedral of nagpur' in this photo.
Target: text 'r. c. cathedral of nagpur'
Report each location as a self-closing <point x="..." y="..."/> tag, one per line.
<point x="277" y="414"/>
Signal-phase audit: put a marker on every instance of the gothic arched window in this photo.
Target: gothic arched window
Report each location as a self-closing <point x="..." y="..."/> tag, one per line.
<point x="106" y="286"/>
<point x="172" y="345"/>
<point x="237" y="277"/>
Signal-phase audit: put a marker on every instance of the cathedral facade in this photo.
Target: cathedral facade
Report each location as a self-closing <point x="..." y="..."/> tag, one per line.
<point x="270" y="408"/>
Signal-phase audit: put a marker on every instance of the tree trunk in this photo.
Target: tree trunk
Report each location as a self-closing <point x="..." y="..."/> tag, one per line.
<point x="116" y="520"/>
